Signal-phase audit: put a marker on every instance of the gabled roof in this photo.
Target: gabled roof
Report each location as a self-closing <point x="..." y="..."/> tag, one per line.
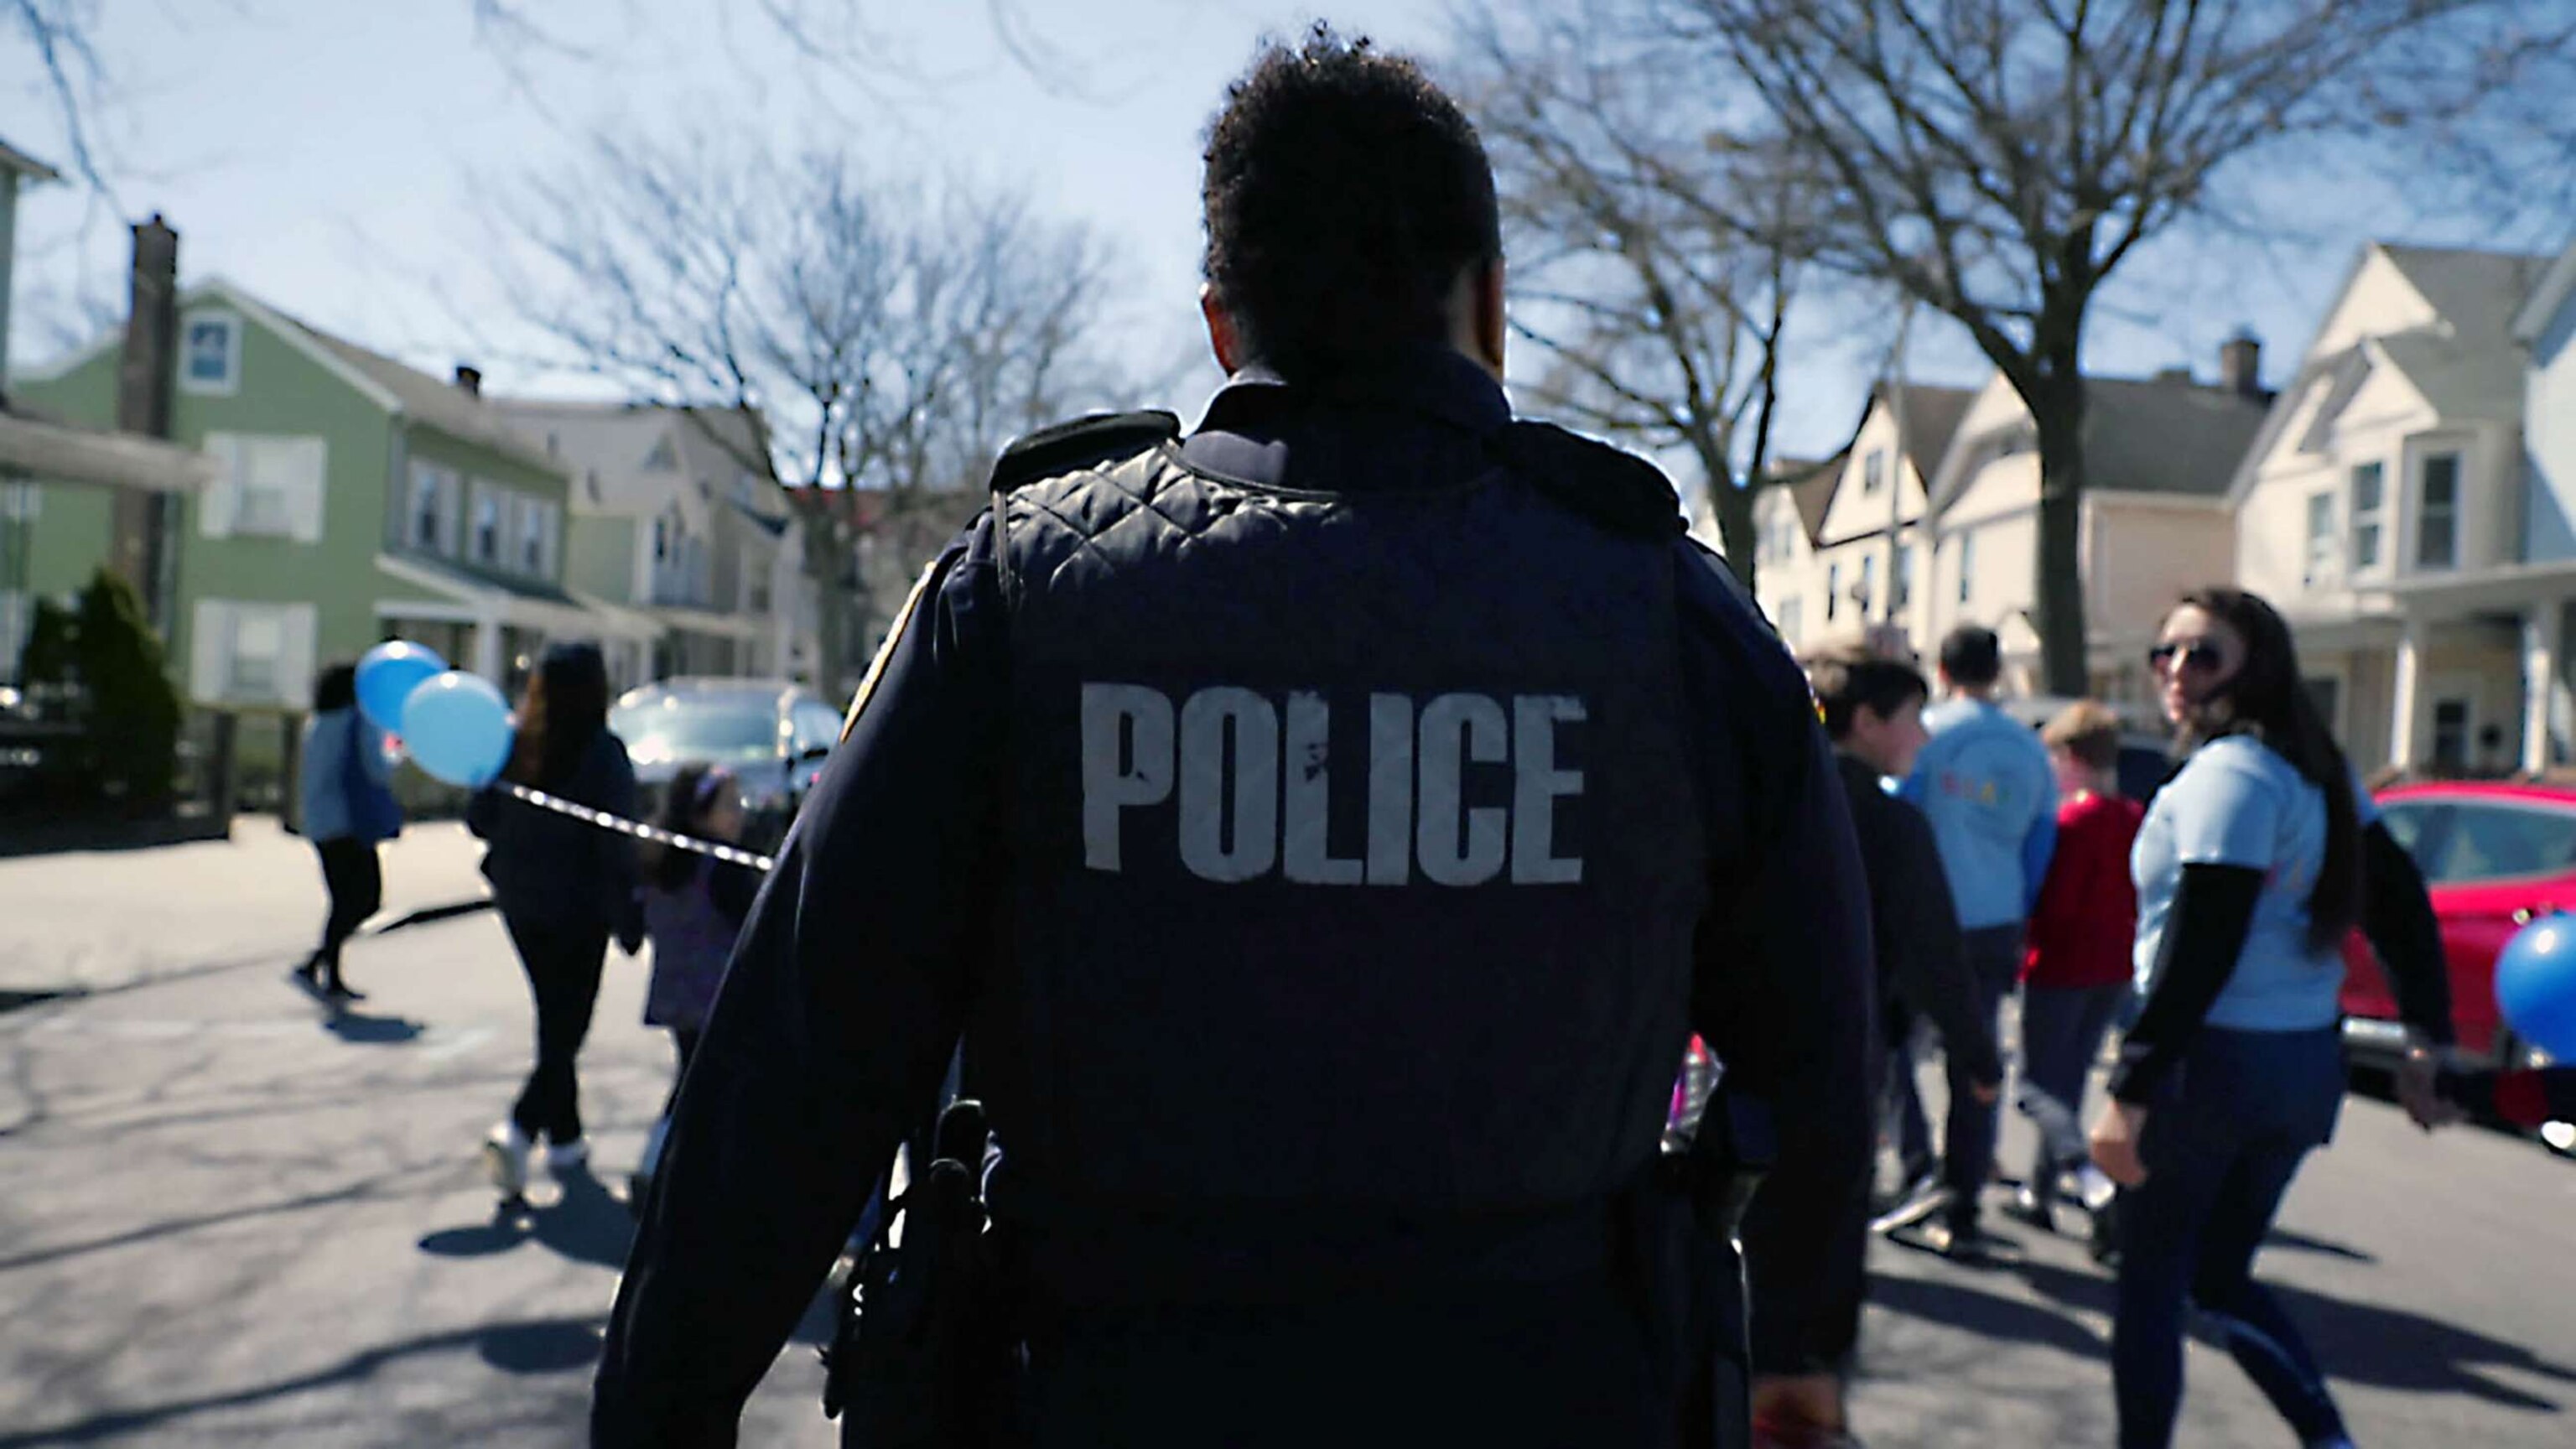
<point x="393" y="386"/>
<point x="1932" y="418"/>
<point x="2165" y="436"/>
<point x="2482" y="382"/>
<point x="2556" y="284"/>
<point x="1810" y="487"/>
<point x="606" y="448"/>
<point x="2159" y="435"/>
<point x="2476" y="292"/>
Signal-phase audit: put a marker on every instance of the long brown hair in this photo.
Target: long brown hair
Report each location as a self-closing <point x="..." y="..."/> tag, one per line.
<point x="565" y="706"/>
<point x="2268" y="698"/>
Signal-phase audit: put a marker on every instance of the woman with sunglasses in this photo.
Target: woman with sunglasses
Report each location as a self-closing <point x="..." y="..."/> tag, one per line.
<point x="2252" y="867"/>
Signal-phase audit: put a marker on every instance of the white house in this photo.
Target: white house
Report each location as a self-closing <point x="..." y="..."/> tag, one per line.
<point x="1870" y="550"/>
<point x="678" y="528"/>
<point x="2385" y="509"/>
<point x="1787" y="512"/>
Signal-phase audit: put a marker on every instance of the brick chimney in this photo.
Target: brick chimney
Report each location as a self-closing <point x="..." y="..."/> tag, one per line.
<point x="2240" y="365"/>
<point x="469" y="380"/>
<point x="146" y="375"/>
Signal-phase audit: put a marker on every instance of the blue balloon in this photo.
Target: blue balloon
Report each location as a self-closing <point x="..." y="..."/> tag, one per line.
<point x="387" y="674"/>
<point x="2535" y="984"/>
<point x="457" y="727"/>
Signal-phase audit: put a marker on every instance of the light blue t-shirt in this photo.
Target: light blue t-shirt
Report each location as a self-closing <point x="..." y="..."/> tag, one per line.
<point x="1985" y="784"/>
<point x="2237" y="802"/>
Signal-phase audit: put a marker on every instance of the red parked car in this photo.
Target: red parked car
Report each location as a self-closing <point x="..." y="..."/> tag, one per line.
<point x="2495" y="855"/>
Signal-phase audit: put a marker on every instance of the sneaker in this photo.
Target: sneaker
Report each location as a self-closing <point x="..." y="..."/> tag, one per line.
<point x="2095" y="1188"/>
<point x="1965" y="1244"/>
<point x="339" y="990"/>
<point x="1922" y="1198"/>
<point x="505" y="1159"/>
<point x="2029" y="1207"/>
<point x="563" y="1157"/>
<point x="2105" y="1244"/>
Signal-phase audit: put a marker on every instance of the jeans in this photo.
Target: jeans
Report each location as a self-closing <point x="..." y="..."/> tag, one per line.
<point x="563" y="965"/>
<point x="2061" y="1033"/>
<point x="356" y="881"/>
<point x="1901" y="1101"/>
<point x="2220" y="1150"/>
<point x="1968" y="1137"/>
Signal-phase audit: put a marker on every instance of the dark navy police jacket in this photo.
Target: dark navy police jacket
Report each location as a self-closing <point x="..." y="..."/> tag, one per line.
<point x="1326" y="852"/>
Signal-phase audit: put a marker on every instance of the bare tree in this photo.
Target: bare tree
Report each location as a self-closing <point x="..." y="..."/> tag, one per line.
<point x="1999" y="160"/>
<point x="890" y="335"/>
<point x="1654" y="254"/>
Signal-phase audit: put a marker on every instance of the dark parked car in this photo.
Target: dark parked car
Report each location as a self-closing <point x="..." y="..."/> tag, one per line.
<point x="774" y="735"/>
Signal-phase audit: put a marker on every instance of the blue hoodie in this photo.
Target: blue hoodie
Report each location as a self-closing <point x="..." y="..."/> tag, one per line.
<point x="1985" y="783"/>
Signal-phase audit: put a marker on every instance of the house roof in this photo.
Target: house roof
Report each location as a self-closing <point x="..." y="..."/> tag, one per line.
<point x="1811" y="487"/>
<point x="441" y="404"/>
<point x="2166" y="436"/>
<point x="2555" y="285"/>
<point x="1932" y="418"/>
<point x="2476" y="292"/>
<point x="613" y="446"/>
<point x="2460" y="380"/>
<point x="19" y="162"/>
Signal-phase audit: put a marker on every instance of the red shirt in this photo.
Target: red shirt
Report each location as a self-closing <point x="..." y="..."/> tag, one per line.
<point x="2087" y="917"/>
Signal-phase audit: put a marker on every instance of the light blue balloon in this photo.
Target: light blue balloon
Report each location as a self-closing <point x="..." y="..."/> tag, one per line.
<point x="387" y="674"/>
<point x="457" y="727"/>
<point x="2535" y="984"/>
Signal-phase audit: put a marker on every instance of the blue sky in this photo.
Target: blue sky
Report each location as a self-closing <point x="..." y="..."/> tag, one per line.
<point x="328" y="156"/>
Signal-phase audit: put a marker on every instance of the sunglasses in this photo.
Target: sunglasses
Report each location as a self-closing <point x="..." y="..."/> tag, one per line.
<point x="2201" y="658"/>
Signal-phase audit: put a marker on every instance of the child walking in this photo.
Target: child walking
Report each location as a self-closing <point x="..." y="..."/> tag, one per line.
<point x="694" y="906"/>
<point x="2076" y="972"/>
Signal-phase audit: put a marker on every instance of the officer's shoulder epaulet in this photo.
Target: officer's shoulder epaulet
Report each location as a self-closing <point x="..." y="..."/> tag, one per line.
<point x="1097" y="438"/>
<point x="1618" y="490"/>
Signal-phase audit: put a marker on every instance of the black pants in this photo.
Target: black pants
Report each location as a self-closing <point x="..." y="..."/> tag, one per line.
<point x="1968" y="1137"/>
<point x="356" y="881"/>
<point x="684" y="1039"/>
<point x="563" y="965"/>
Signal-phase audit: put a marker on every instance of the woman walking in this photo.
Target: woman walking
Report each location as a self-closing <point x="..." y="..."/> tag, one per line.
<point x="2251" y="868"/>
<point x="564" y="888"/>
<point x="348" y="811"/>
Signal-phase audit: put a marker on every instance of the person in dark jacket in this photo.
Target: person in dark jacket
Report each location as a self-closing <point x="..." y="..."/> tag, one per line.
<point x="348" y="810"/>
<point x="564" y="888"/>
<point x="2252" y="868"/>
<point x="1326" y="831"/>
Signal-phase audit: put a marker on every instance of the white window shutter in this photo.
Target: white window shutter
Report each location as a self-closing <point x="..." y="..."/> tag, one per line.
<point x="303" y="464"/>
<point x="210" y="647"/>
<point x="221" y="498"/>
<point x="295" y="658"/>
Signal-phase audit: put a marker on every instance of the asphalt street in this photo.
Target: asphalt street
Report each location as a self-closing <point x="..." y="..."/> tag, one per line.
<point x="233" y="1217"/>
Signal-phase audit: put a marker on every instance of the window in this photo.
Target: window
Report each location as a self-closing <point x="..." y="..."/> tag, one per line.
<point x="265" y="487"/>
<point x="1901" y="577"/>
<point x="661" y="459"/>
<point x="1833" y="591"/>
<point x="2437" y="513"/>
<point x="1867" y="588"/>
<point x="2462" y="843"/>
<point x="21" y="502"/>
<point x="818" y="726"/>
<point x="1792" y="613"/>
<point x="210" y="353"/>
<point x="17" y="617"/>
<point x="486" y="532"/>
<point x="258" y="644"/>
<point x="1873" y="472"/>
<point x="532" y="537"/>
<point x="2321" y="560"/>
<point x="433" y="505"/>
<point x="1967" y="566"/>
<point x="2368" y="495"/>
<point x="661" y="540"/>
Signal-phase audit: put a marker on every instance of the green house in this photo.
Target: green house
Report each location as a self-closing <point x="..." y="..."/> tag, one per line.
<point x="355" y="499"/>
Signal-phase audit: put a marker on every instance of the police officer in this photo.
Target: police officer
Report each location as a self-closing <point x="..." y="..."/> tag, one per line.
<point x="1325" y="831"/>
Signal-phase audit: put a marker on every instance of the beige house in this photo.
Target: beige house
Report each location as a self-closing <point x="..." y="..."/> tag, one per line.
<point x="2158" y="457"/>
<point x="2384" y="508"/>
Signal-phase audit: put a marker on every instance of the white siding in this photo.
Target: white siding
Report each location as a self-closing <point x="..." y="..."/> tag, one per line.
<point x="2379" y="301"/>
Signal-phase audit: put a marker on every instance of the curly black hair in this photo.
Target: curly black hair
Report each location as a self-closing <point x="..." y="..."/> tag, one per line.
<point x="1344" y="194"/>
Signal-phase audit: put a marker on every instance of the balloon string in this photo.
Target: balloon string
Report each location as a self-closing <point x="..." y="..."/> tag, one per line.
<point x="618" y="824"/>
